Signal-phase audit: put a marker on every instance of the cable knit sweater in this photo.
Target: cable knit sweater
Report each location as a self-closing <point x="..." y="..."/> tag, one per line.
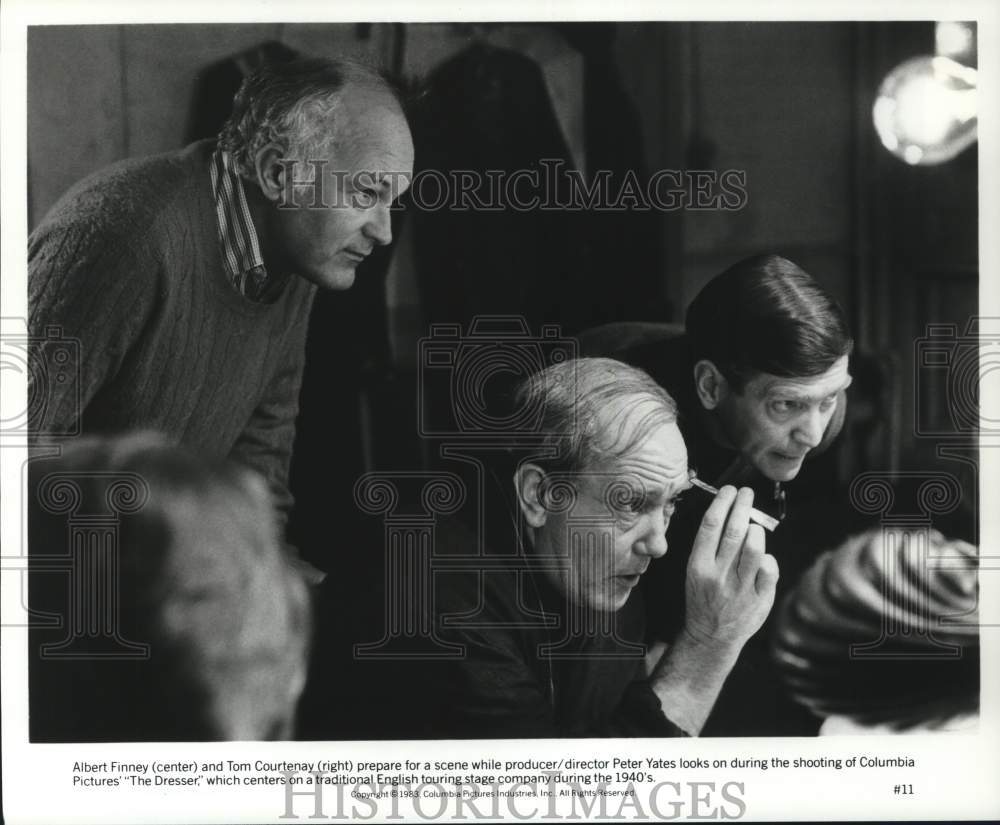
<point x="129" y="264"/>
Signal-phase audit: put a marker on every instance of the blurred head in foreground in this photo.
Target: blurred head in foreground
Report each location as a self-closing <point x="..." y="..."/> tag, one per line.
<point x="882" y="635"/>
<point x="191" y="568"/>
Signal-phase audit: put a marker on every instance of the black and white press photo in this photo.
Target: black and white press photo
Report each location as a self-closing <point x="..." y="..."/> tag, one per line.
<point x="451" y="417"/>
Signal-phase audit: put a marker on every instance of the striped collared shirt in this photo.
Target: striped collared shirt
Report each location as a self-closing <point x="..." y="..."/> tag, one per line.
<point x="237" y="235"/>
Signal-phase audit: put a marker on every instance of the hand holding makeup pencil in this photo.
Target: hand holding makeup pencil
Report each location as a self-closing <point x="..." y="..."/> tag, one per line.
<point x="729" y="591"/>
<point x="730" y="578"/>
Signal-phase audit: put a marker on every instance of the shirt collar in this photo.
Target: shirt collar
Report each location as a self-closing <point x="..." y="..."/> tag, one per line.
<point x="237" y="235"/>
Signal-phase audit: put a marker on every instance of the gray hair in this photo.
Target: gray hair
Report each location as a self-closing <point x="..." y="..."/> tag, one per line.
<point x="203" y="578"/>
<point x="573" y="398"/>
<point x="294" y="104"/>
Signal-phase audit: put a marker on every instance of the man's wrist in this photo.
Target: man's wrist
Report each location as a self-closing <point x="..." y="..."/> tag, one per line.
<point x="690" y="675"/>
<point x="694" y="641"/>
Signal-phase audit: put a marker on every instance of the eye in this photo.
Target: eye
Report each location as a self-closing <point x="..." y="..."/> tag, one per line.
<point x="786" y="406"/>
<point x="671" y="505"/>
<point x="635" y="505"/>
<point x="630" y="508"/>
<point x="828" y="403"/>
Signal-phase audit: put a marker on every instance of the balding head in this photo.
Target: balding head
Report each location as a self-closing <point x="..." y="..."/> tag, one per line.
<point x="325" y="149"/>
<point x="301" y="105"/>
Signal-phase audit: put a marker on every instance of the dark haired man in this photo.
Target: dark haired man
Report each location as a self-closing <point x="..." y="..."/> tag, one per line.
<point x="188" y="277"/>
<point x="759" y="374"/>
<point x="767" y="360"/>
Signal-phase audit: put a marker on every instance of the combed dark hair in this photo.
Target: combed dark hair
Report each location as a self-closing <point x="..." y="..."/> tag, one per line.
<point x="765" y="314"/>
<point x="573" y="398"/>
<point x="293" y="103"/>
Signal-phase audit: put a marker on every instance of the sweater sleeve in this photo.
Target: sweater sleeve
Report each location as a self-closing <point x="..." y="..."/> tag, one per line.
<point x="93" y="283"/>
<point x="265" y="443"/>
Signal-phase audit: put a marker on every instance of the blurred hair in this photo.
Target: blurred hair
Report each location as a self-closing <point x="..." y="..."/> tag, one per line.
<point x="877" y="633"/>
<point x="765" y="314"/>
<point x="199" y="575"/>
<point x="294" y="104"/>
<point x="573" y="398"/>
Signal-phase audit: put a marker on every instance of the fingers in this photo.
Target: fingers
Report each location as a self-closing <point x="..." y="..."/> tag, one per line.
<point x="706" y="542"/>
<point x="731" y="581"/>
<point x="751" y="555"/>
<point x="723" y="528"/>
<point x="735" y="533"/>
<point x="767" y="577"/>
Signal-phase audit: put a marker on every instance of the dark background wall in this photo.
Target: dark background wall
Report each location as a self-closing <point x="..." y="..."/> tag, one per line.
<point x="100" y="93"/>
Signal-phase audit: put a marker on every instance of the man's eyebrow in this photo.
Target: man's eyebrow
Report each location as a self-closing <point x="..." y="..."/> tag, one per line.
<point x="800" y="394"/>
<point x="377" y="182"/>
<point x="644" y="491"/>
<point x="658" y="491"/>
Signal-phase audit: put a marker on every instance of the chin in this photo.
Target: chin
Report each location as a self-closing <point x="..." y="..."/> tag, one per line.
<point x="608" y="602"/>
<point x="779" y="471"/>
<point x="335" y="279"/>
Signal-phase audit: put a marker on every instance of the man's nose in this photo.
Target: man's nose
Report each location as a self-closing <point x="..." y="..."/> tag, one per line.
<point x="654" y="542"/>
<point x="378" y="226"/>
<point x="809" y="429"/>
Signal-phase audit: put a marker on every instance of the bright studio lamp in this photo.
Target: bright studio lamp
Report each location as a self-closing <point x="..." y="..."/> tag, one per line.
<point x="926" y="110"/>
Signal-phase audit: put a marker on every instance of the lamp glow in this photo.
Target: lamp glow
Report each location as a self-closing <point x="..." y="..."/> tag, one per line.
<point x="926" y="110"/>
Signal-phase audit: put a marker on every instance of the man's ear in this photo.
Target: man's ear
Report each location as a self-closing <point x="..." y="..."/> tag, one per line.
<point x="710" y="384"/>
<point x="528" y="486"/>
<point x="269" y="171"/>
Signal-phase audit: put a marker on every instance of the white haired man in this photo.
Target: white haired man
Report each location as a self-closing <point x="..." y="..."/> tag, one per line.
<point x="187" y="278"/>
<point x="549" y="628"/>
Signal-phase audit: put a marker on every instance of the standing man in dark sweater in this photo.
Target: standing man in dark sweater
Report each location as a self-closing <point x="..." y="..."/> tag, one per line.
<point x="187" y="278"/>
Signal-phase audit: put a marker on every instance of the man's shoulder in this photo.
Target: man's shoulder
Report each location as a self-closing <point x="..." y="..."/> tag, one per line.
<point x="133" y="192"/>
<point x="475" y="572"/>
